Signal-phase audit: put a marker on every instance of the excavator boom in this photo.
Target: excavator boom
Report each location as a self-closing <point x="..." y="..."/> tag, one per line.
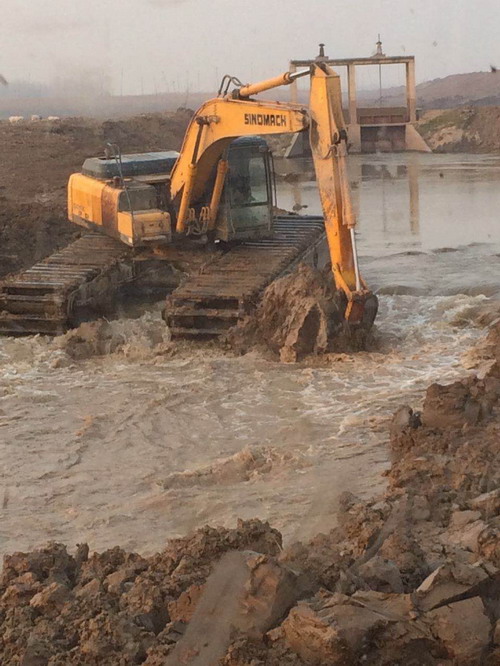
<point x="221" y="120"/>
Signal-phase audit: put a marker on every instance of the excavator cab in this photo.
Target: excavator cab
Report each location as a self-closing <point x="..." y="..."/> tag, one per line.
<point x="246" y="209"/>
<point x="126" y="196"/>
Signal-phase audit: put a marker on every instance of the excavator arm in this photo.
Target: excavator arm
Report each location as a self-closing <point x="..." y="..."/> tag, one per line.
<point x="221" y="120"/>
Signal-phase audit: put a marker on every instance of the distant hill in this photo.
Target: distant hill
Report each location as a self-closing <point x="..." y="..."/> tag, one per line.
<point x="475" y="88"/>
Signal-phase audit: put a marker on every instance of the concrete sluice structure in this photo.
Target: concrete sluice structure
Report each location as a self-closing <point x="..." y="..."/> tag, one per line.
<point x="371" y="129"/>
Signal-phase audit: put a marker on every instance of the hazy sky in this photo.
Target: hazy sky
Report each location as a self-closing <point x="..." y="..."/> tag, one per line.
<point x="162" y="44"/>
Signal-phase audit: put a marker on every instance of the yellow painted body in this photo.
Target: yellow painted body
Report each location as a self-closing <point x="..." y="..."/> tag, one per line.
<point x="94" y="203"/>
<point x="85" y="199"/>
<point x="329" y="157"/>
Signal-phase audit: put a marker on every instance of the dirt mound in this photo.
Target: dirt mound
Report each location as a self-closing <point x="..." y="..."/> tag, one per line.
<point x="114" y="607"/>
<point x="300" y="313"/>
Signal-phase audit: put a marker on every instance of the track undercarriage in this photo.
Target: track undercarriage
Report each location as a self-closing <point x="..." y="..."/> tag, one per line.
<point x="209" y="291"/>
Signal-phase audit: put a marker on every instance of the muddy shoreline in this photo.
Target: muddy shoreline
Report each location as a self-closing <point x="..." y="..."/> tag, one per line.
<point x="363" y="591"/>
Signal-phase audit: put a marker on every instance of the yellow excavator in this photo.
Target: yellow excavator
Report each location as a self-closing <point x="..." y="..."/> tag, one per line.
<point x="206" y="215"/>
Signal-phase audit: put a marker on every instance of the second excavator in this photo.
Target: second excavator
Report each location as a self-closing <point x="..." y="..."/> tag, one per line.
<point x="205" y="216"/>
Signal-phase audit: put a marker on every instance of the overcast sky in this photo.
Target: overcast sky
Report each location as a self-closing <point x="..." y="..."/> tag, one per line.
<point x="165" y="44"/>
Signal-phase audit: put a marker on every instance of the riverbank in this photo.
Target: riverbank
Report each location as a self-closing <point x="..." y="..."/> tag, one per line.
<point x="361" y="593"/>
<point x="468" y="129"/>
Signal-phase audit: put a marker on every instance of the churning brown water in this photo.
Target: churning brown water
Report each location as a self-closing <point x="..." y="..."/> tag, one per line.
<point x="136" y="447"/>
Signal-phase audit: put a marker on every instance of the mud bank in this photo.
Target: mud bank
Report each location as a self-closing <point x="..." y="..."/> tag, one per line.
<point x="379" y="588"/>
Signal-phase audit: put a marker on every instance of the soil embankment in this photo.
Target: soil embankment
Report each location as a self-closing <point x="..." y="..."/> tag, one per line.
<point x="37" y="159"/>
<point x="469" y="129"/>
<point x="411" y="577"/>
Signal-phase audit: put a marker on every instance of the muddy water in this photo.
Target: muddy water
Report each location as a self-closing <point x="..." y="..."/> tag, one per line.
<point x="138" y="447"/>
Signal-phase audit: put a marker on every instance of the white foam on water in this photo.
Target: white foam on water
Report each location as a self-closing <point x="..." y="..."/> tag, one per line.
<point x="132" y="449"/>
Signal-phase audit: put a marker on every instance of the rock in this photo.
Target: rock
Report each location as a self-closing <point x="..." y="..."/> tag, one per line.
<point x="450" y="406"/>
<point x="104" y="635"/>
<point x="329" y="632"/>
<point x="115" y="581"/>
<point x="381" y="575"/>
<point x="488" y="543"/>
<point x="22" y="589"/>
<point x="360" y="522"/>
<point x="51" y="599"/>
<point x="101" y="565"/>
<point x="445" y="581"/>
<point x="52" y="561"/>
<point x="172" y="633"/>
<point x="270" y="590"/>
<point x="463" y="629"/>
<point x="82" y="554"/>
<point x="182" y="610"/>
<point x="487" y="503"/>
<point x="403" y="549"/>
<point x="338" y="630"/>
<point x="461" y="518"/>
<point x="404" y="418"/>
<point x="248" y="592"/>
<point x="467" y="536"/>
<point x="91" y="589"/>
<point x="145" y="603"/>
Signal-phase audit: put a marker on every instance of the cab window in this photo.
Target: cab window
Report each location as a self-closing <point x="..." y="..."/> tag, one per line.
<point x="248" y="180"/>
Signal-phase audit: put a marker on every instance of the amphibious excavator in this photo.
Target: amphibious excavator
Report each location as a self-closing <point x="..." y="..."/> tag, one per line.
<point x="206" y="215"/>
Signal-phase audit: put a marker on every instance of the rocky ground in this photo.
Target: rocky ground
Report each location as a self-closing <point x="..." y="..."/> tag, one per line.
<point x="37" y="159"/>
<point x="380" y="588"/>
